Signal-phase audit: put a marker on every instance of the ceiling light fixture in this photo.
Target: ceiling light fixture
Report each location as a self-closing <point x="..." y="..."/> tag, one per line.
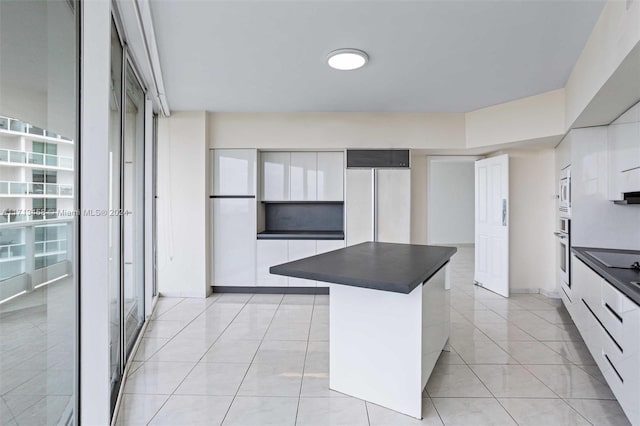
<point x="347" y="59"/>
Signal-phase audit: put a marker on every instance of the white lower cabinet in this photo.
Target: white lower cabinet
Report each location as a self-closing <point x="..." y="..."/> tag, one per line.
<point x="299" y="249"/>
<point x="609" y="323"/>
<point x="270" y="253"/>
<point x="275" y="252"/>
<point x="324" y="246"/>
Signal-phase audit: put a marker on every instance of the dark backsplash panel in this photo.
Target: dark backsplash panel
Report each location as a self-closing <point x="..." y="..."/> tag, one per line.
<point x="307" y="216"/>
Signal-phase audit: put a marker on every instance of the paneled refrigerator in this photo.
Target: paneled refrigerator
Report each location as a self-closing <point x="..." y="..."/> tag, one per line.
<point x="233" y="216"/>
<point x="378" y="196"/>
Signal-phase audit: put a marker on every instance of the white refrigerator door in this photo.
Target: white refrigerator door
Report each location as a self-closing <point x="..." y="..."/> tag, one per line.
<point x="393" y="203"/>
<point x="234" y="241"/>
<point x="359" y="206"/>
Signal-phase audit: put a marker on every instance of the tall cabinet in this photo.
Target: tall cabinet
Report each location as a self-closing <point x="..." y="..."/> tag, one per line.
<point x="233" y="198"/>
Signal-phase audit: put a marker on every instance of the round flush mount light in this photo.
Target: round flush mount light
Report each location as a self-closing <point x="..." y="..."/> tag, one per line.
<point x="347" y="59"/>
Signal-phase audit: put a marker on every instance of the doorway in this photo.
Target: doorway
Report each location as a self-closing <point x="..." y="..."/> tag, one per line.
<point x="451" y="200"/>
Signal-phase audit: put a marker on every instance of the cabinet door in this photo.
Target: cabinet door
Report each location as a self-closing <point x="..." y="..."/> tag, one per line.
<point x="234" y="242"/>
<point x="303" y="176"/>
<point x="324" y="246"/>
<point x="299" y="249"/>
<point x="394" y="206"/>
<point x="359" y="206"/>
<point x="234" y="172"/>
<point x="330" y="176"/>
<point x="275" y="176"/>
<point x="271" y="253"/>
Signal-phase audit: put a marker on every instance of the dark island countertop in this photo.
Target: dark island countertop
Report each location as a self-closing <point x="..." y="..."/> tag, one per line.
<point x="397" y="268"/>
<point x="622" y="279"/>
<point x="300" y="235"/>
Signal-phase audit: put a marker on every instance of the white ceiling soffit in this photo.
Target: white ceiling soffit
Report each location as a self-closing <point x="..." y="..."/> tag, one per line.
<point x="425" y="56"/>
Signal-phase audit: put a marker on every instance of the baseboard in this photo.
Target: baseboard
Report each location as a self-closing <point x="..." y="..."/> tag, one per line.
<point x="550" y="294"/>
<point x="270" y="290"/>
<point x="524" y="290"/>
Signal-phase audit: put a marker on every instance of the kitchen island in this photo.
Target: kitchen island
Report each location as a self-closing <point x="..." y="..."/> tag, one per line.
<point x="389" y="318"/>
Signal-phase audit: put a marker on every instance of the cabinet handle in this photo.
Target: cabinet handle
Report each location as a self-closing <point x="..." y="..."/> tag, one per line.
<point x="615" y="370"/>
<point x="614" y="313"/>
<point x="602" y="326"/>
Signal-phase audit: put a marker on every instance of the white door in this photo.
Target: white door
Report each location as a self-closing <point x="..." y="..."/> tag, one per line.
<point x="492" y="224"/>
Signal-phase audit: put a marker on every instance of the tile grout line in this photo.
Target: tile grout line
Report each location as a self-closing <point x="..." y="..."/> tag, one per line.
<point x="304" y="364"/>
<point x="196" y="363"/>
<point x="252" y="359"/>
<point x="523" y="365"/>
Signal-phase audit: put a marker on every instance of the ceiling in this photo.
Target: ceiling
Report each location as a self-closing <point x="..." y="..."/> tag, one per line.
<point x="425" y="56"/>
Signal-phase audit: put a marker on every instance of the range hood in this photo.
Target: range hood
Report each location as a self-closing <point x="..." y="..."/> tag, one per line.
<point x="629" y="198"/>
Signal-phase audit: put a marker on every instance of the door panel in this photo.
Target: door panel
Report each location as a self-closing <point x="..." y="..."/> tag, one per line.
<point x="270" y="253"/>
<point x="303" y="175"/>
<point x="275" y="176"/>
<point x="359" y="206"/>
<point x="394" y="205"/>
<point x="299" y="249"/>
<point x="492" y="224"/>
<point x="330" y="176"/>
<point x="234" y="242"/>
<point x="234" y="171"/>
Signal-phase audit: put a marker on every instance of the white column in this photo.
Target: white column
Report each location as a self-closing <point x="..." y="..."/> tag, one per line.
<point x="94" y="230"/>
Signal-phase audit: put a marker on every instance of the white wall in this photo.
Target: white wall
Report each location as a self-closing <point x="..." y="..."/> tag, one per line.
<point x="535" y="117"/>
<point x="615" y="34"/>
<point x="336" y="130"/>
<point x="596" y="221"/>
<point x="532" y="206"/>
<point x="451" y="208"/>
<point x="182" y="205"/>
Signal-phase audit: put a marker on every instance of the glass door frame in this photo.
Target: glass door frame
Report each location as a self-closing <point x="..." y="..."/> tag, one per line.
<point x="126" y="351"/>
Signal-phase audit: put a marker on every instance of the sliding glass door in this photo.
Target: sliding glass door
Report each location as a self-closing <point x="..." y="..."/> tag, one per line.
<point x="126" y="205"/>
<point x="133" y="208"/>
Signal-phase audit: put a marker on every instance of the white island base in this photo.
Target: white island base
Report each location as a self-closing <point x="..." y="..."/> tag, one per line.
<point x="384" y="345"/>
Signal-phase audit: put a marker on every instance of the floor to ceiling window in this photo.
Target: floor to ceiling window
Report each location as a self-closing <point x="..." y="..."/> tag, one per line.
<point x="38" y="211"/>
<point x="127" y="192"/>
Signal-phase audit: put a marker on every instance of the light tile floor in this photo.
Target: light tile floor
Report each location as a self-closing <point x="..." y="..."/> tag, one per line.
<point x="263" y="360"/>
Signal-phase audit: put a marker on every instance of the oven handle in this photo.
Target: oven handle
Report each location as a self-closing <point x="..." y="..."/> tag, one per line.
<point x="560" y="235"/>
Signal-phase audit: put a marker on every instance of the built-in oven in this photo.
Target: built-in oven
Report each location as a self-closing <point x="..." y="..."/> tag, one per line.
<point x="564" y="192"/>
<point x="564" y="241"/>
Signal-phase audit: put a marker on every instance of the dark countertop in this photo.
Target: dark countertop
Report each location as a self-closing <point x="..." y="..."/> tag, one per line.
<point x="301" y="235"/>
<point x="397" y="268"/>
<point x="618" y="277"/>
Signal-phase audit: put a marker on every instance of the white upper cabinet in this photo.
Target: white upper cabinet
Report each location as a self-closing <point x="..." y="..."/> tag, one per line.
<point x="624" y="154"/>
<point x="302" y="176"/>
<point x="275" y="176"/>
<point x="234" y="171"/>
<point x="330" y="176"/>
